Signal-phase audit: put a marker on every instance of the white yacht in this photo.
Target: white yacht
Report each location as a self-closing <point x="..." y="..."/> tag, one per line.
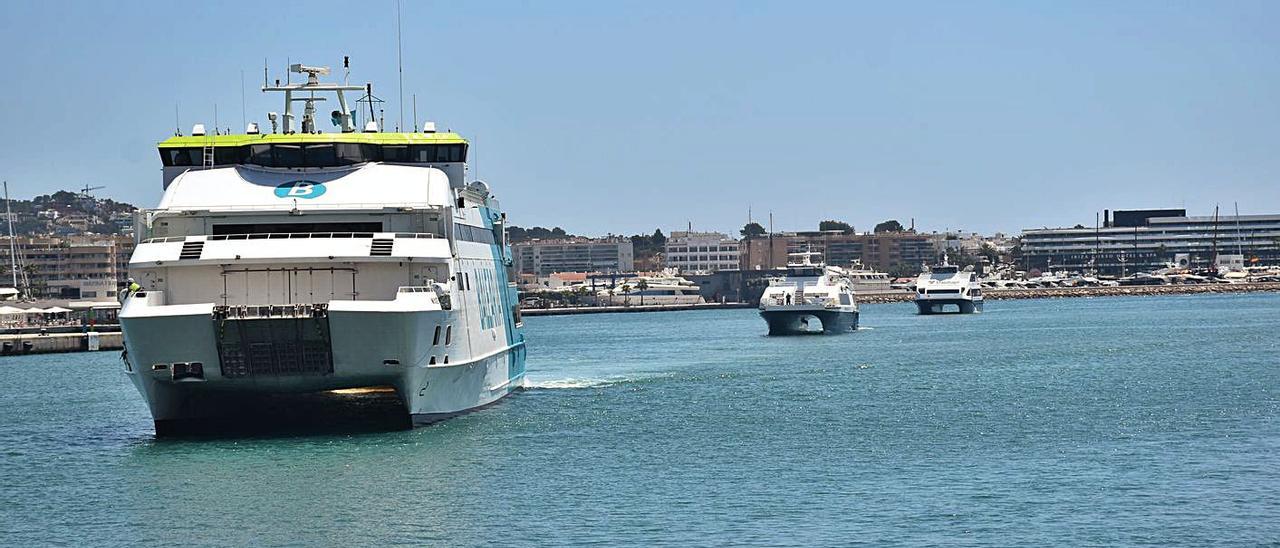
<point x="667" y="288"/>
<point x="812" y="298"/>
<point x="299" y="261"/>
<point x="948" y="288"/>
<point x="866" y="280"/>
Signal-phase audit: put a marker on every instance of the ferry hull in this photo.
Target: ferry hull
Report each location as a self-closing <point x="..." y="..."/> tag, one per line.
<point x="791" y="322"/>
<point x="943" y="306"/>
<point x="431" y="379"/>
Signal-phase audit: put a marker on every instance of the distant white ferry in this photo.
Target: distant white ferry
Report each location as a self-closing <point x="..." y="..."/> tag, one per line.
<point x="946" y="288"/>
<point x="667" y="288"/>
<point x="301" y="261"/>
<point x="811" y="293"/>
<point x="867" y="280"/>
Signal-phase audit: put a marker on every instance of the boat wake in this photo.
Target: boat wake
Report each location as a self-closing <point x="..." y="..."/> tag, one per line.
<point x="571" y="383"/>
<point x="577" y="383"/>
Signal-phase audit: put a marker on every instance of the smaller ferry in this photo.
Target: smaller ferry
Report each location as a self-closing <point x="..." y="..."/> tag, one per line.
<point x="946" y="288"/>
<point x="812" y="298"/>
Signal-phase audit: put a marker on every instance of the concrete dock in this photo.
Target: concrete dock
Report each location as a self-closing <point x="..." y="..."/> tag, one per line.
<point x="59" y="339"/>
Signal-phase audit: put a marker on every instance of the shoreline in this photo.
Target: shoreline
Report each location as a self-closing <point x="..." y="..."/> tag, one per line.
<point x="990" y="294"/>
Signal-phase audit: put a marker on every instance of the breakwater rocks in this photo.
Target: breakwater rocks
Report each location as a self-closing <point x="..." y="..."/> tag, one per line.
<point x="1063" y="292"/>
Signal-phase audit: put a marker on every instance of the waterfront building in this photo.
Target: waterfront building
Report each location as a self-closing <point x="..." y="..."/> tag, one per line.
<point x="701" y="252"/>
<point x="71" y="267"/>
<point x="1142" y="240"/>
<point x="543" y="257"/>
<point x="875" y="250"/>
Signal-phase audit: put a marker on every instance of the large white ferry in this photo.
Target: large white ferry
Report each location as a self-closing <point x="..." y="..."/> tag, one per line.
<point x="812" y="298"/>
<point x="947" y="288"/>
<point x="300" y="261"/>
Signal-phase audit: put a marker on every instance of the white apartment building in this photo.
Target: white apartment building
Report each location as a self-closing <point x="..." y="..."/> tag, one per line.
<point x="700" y="252"/>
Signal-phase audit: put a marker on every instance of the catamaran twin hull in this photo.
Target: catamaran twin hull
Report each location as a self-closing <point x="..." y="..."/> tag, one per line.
<point x="816" y="320"/>
<point x="200" y="363"/>
<point x="948" y="306"/>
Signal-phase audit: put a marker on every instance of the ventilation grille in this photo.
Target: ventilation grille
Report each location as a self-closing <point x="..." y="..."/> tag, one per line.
<point x="381" y="247"/>
<point x="191" y="250"/>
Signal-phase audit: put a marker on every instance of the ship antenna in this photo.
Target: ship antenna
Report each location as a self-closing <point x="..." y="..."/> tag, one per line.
<point x="177" y="124"/>
<point x="243" y="120"/>
<point x="415" y="112"/>
<point x="400" y="67"/>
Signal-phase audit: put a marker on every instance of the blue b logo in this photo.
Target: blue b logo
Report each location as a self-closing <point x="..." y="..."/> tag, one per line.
<point x="300" y="189"/>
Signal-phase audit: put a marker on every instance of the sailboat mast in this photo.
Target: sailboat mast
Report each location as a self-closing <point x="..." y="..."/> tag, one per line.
<point x="1214" y="264"/>
<point x="13" y="246"/>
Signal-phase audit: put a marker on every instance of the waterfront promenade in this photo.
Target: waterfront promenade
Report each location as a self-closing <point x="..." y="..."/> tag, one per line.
<point x="990" y="294"/>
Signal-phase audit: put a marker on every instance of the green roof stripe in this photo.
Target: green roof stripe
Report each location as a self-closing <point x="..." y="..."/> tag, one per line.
<point x="277" y="138"/>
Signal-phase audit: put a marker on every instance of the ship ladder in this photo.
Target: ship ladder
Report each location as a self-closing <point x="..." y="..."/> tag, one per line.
<point x="208" y="156"/>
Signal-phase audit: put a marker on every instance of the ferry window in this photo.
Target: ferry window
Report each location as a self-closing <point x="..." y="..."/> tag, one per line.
<point x="260" y="155"/>
<point x="182" y="156"/>
<point x="321" y="155"/>
<point x="844" y="299"/>
<point x="395" y="154"/>
<point x="436" y="339"/>
<point x="354" y="153"/>
<point x="295" y="228"/>
<point x="288" y="155"/>
<point x="448" y="336"/>
<point x="225" y="156"/>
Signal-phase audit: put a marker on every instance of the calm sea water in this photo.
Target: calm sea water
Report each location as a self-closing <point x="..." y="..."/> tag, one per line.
<point x="1054" y="422"/>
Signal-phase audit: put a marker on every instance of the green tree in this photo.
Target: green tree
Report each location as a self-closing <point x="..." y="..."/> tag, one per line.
<point x="892" y="225"/>
<point x="990" y="253"/>
<point x="642" y="285"/>
<point x="626" y="294"/>
<point x="903" y="270"/>
<point x="836" y="225"/>
<point x="752" y="230"/>
<point x="659" y="239"/>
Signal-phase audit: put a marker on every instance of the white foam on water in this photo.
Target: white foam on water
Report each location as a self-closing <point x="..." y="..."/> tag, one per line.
<point x="574" y="383"/>
<point x="571" y="383"/>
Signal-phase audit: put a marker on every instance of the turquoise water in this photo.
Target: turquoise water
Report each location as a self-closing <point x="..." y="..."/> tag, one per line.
<point x="1054" y="422"/>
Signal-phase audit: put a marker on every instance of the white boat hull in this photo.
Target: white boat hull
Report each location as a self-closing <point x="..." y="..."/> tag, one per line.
<point x="368" y="349"/>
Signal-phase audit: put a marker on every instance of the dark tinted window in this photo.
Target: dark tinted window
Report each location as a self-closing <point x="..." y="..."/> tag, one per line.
<point x="321" y="155"/>
<point x="287" y="155"/>
<point x="395" y="153"/>
<point x="281" y="228"/>
<point x="182" y="156"/>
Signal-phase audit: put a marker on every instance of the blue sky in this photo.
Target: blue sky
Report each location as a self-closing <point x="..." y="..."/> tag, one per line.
<point x="625" y="116"/>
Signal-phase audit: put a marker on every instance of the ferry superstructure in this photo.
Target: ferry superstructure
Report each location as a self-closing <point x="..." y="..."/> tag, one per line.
<point x="810" y="292"/>
<point x="302" y="261"/>
<point x="946" y="288"/>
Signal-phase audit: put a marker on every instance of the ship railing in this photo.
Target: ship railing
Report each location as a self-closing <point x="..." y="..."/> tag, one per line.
<point x="440" y="291"/>
<point x="257" y="311"/>
<point x="216" y="208"/>
<point x="291" y="236"/>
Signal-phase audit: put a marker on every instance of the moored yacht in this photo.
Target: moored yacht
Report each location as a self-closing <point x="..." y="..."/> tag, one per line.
<point x="946" y="288"/>
<point x="665" y="289"/>
<point x="812" y="298"/>
<point x="299" y="261"/>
